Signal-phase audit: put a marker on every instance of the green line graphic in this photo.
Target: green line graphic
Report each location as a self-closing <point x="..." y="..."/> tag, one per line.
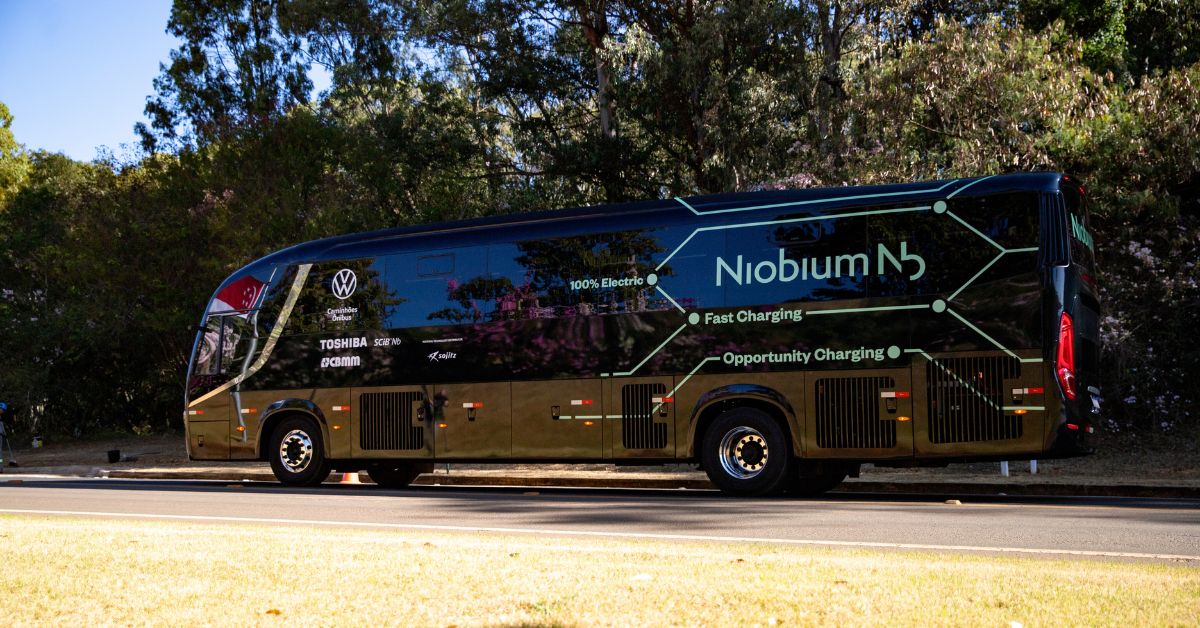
<point x="685" y="204"/>
<point x="876" y="212"/>
<point x="981" y="333"/>
<point x="976" y="231"/>
<point x="1024" y="408"/>
<point x="887" y="308"/>
<point x="972" y="279"/>
<point x="989" y="265"/>
<point x="684" y="381"/>
<point x="652" y="353"/>
<point x="955" y="376"/>
<point x="664" y="293"/>
<point x="955" y="192"/>
<point x="689" y="375"/>
<point x="939" y="207"/>
<point x="823" y="200"/>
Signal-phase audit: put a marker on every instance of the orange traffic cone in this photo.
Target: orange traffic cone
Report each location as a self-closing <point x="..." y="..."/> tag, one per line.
<point x="350" y="478"/>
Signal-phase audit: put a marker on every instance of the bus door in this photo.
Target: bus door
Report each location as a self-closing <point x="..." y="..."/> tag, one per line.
<point x="980" y="403"/>
<point x="392" y="422"/>
<point x="213" y="415"/>
<point x="561" y="418"/>
<point x="471" y="421"/>
<point x="640" y="417"/>
<point x="860" y="414"/>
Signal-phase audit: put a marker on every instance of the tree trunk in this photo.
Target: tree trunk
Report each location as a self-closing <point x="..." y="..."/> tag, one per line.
<point x="593" y="18"/>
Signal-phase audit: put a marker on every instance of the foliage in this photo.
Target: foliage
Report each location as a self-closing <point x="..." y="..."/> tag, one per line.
<point x="14" y="163"/>
<point x="446" y="109"/>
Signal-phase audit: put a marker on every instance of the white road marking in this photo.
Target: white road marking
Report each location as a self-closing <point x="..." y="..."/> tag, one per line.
<point x="614" y="535"/>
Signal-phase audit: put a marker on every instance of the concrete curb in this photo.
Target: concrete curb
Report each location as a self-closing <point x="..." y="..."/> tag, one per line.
<point x="620" y="481"/>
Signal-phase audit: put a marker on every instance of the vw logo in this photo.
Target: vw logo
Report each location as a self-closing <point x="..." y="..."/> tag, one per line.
<point x="344" y="283"/>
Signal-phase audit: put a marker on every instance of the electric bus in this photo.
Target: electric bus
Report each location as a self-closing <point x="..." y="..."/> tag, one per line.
<point x="778" y="339"/>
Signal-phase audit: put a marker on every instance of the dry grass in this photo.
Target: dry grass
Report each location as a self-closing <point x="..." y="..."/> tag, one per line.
<point x="57" y="571"/>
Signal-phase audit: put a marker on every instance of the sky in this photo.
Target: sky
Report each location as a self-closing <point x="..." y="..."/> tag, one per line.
<point x="75" y="74"/>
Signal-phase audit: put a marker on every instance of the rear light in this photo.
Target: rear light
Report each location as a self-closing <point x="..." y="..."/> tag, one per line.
<point x="1064" y="365"/>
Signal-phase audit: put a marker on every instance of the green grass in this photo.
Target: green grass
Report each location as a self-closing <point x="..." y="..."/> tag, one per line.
<point x="62" y="571"/>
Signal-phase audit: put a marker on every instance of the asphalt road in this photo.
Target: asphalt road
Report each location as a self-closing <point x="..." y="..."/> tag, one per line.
<point x="1123" y="528"/>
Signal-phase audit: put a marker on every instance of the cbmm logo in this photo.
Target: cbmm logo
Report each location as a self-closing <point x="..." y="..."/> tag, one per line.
<point x="344" y="283"/>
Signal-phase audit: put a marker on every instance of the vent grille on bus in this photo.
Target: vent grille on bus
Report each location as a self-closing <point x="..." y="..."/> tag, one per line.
<point x="386" y="421"/>
<point x="638" y="429"/>
<point x="848" y="414"/>
<point x="966" y="399"/>
<point x="1052" y="226"/>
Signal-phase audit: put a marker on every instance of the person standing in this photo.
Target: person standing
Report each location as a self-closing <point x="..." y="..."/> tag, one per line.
<point x="5" y="425"/>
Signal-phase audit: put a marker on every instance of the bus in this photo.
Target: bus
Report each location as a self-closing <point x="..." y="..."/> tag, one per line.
<point x="778" y="339"/>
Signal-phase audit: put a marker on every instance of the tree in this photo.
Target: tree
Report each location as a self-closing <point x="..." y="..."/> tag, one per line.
<point x="14" y="162"/>
<point x="237" y="67"/>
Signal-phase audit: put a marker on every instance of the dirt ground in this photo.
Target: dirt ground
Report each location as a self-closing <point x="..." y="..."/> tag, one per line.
<point x="1120" y="459"/>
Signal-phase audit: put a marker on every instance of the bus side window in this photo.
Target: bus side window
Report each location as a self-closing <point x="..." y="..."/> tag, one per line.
<point x="767" y="265"/>
<point x="434" y="288"/>
<point x="686" y="266"/>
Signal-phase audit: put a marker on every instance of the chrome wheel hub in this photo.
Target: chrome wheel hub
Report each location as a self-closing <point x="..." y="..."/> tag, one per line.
<point x="743" y="452"/>
<point x="296" y="451"/>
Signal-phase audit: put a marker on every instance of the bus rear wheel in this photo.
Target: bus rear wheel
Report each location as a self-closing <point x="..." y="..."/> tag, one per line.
<point x="746" y="452"/>
<point x="297" y="453"/>
<point x="394" y="475"/>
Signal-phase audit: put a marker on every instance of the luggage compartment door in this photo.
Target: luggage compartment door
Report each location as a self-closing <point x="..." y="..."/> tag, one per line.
<point x="558" y="419"/>
<point x="472" y="421"/>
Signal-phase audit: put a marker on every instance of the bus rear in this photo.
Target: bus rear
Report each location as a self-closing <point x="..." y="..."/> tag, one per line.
<point x="1076" y="334"/>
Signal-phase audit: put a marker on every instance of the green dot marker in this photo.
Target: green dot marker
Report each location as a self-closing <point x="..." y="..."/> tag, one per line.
<point x="939" y="306"/>
<point x="939" y="207"/>
<point x="893" y="352"/>
<point x="651" y="279"/>
<point x="693" y="318"/>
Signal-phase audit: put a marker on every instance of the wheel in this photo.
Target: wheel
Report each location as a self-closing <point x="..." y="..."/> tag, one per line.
<point x="746" y="452"/>
<point x="810" y="482"/>
<point x="297" y="453"/>
<point x="397" y="475"/>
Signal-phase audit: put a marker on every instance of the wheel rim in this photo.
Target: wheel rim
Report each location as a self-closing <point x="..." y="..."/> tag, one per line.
<point x="743" y="452"/>
<point x="296" y="451"/>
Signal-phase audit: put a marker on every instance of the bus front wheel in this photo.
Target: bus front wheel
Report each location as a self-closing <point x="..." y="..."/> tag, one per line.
<point x="746" y="452"/>
<point x="297" y="453"/>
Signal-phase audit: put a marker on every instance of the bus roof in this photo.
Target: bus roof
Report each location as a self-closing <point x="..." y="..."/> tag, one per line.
<point x="551" y="223"/>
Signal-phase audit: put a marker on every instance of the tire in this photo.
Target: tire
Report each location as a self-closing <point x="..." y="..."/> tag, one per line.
<point x="297" y="453"/>
<point x="746" y="452"/>
<point x="398" y="476"/>
<point x="814" y="485"/>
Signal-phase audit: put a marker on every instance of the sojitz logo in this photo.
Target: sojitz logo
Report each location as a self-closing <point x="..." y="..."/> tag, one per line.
<point x="344" y="283"/>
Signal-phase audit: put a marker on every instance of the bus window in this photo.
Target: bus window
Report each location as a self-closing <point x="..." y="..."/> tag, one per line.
<point x="340" y="296"/>
<point x="223" y="349"/>
<point x="602" y="273"/>
<point x="1080" y="229"/>
<point x="434" y="288"/>
<point x="823" y="261"/>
